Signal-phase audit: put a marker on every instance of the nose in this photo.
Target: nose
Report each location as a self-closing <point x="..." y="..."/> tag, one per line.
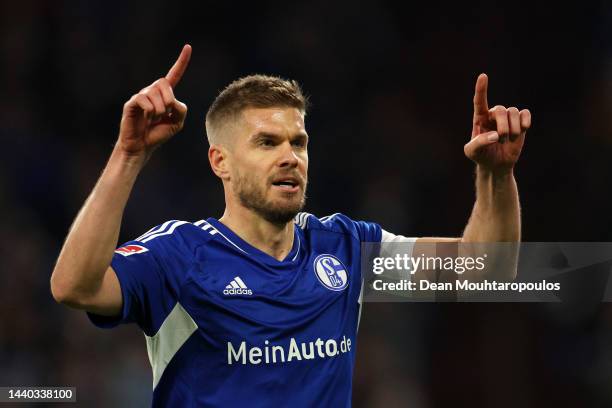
<point x="288" y="157"/>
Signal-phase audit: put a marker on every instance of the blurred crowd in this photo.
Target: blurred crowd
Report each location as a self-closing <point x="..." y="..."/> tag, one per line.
<point x="391" y="87"/>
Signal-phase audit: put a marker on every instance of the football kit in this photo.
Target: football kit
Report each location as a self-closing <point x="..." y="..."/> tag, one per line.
<point x="229" y="325"/>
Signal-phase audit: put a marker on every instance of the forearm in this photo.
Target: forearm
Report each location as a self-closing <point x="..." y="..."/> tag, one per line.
<point x="496" y="213"/>
<point x="92" y="239"/>
<point x="494" y="228"/>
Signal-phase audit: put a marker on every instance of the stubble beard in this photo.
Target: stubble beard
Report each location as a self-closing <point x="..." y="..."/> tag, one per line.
<point x="253" y="198"/>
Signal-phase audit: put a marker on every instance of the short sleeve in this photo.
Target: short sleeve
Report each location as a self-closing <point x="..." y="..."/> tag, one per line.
<point x="389" y="237"/>
<point x="149" y="272"/>
<point x="368" y="231"/>
<point x="141" y="279"/>
<point x="363" y="231"/>
<point x="392" y="245"/>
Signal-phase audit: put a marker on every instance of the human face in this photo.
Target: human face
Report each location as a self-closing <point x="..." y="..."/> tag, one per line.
<point x="269" y="166"/>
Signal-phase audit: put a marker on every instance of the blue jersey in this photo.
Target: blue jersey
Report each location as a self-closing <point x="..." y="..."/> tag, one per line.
<point x="228" y="325"/>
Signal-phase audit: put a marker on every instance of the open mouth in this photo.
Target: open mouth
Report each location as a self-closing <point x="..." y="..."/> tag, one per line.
<point x="287" y="184"/>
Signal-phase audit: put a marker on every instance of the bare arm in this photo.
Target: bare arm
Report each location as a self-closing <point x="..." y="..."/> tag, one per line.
<point x="498" y="135"/>
<point x="496" y="213"/>
<point x="82" y="277"/>
<point x="82" y="274"/>
<point x="497" y="139"/>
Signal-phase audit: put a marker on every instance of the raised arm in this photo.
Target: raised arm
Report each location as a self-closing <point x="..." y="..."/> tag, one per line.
<point x="82" y="277"/>
<point x="498" y="135"/>
<point x="497" y="139"/>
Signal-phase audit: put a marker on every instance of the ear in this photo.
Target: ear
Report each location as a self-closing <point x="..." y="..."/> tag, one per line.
<point x="219" y="161"/>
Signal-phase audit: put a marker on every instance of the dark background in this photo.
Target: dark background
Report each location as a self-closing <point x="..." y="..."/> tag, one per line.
<point x="391" y="86"/>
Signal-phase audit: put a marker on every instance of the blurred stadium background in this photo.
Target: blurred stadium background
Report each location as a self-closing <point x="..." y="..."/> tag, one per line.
<point x="391" y="86"/>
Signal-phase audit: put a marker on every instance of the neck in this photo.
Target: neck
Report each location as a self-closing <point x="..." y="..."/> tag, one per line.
<point x="273" y="239"/>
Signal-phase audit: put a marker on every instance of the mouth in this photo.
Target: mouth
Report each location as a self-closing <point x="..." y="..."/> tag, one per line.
<point x="287" y="184"/>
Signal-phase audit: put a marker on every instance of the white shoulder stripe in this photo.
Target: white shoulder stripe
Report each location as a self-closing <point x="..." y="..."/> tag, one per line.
<point x="154" y="230"/>
<point x="328" y="217"/>
<point x="170" y="231"/>
<point x="301" y="219"/>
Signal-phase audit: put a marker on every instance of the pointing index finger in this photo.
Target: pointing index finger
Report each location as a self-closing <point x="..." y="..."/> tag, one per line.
<point x="178" y="69"/>
<point x="481" y="106"/>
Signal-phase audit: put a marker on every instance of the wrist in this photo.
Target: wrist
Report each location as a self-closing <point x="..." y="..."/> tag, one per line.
<point x="495" y="173"/>
<point x="124" y="166"/>
<point x="128" y="160"/>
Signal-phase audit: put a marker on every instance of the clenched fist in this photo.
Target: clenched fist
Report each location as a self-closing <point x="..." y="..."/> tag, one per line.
<point x="498" y="133"/>
<point x="154" y="115"/>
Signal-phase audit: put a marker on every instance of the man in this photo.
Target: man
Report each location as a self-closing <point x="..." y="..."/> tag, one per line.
<point x="261" y="306"/>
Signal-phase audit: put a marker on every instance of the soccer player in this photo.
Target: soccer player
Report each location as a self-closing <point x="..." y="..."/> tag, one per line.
<point x="260" y="307"/>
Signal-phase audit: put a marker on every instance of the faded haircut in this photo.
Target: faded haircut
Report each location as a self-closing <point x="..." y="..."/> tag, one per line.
<point x="253" y="91"/>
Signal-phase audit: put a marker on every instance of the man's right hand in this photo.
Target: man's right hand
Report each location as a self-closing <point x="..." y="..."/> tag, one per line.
<point x="82" y="277"/>
<point x="153" y="115"/>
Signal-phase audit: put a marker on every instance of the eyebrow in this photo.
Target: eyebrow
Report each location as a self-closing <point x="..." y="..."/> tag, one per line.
<point x="262" y="135"/>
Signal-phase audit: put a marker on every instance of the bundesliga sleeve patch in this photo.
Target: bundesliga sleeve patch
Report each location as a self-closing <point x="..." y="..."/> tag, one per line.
<point x="130" y="250"/>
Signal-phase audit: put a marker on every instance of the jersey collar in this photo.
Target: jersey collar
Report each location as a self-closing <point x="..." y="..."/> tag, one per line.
<point x="235" y="240"/>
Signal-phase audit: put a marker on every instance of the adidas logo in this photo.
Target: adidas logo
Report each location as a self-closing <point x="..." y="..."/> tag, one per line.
<point x="237" y="287"/>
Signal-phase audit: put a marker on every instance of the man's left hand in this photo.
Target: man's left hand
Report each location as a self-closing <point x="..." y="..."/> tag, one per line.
<point x="498" y="133"/>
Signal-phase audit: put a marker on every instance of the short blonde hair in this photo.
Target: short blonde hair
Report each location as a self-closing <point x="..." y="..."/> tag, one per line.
<point x="253" y="91"/>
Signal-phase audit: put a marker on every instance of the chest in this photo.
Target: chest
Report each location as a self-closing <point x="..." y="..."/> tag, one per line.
<point x="314" y="295"/>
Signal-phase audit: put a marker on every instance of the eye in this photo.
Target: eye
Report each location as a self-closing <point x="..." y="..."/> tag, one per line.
<point x="265" y="142"/>
<point x="301" y="143"/>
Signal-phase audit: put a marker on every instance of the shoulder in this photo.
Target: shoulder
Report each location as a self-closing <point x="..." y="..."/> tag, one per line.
<point x="336" y="222"/>
<point x="340" y="224"/>
<point x="175" y="234"/>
